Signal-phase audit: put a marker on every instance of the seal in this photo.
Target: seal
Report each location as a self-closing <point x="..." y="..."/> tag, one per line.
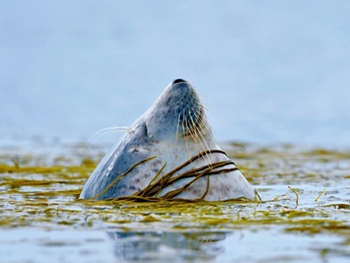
<point x="169" y="152"/>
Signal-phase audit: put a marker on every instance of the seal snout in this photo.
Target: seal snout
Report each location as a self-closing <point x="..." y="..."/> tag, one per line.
<point x="181" y="85"/>
<point x="179" y="81"/>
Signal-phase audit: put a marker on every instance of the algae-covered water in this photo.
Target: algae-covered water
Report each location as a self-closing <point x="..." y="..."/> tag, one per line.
<point x="304" y="216"/>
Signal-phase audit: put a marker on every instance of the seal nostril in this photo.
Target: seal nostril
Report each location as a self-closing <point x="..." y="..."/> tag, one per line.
<point x="178" y="81"/>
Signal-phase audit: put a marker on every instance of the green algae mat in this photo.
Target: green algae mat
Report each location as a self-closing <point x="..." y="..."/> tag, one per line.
<point x="303" y="215"/>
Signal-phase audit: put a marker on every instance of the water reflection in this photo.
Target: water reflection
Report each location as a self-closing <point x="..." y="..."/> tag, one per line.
<point x="153" y="246"/>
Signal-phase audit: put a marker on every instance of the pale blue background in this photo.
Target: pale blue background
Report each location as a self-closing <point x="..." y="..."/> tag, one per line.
<point x="268" y="71"/>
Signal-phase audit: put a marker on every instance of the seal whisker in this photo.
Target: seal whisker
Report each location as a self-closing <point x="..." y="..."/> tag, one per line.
<point x="105" y="131"/>
<point x="177" y="129"/>
<point x="198" y="142"/>
<point x="199" y="125"/>
<point x="199" y="133"/>
<point x="199" y="138"/>
<point x="191" y="132"/>
<point x="199" y="114"/>
<point x="203" y="126"/>
<point x="184" y="128"/>
<point x="178" y="120"/>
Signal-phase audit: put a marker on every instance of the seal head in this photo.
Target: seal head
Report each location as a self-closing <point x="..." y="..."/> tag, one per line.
<point x="170" y="151"/>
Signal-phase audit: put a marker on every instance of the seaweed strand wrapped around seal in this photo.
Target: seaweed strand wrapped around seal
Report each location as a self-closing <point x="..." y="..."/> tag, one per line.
<point x="169" y="152"/>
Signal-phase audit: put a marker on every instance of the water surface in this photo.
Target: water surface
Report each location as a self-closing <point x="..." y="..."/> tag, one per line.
<point x="304" y="216"/>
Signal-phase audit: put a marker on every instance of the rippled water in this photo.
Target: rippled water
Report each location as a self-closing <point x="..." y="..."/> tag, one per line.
<point x="304" y="216"/>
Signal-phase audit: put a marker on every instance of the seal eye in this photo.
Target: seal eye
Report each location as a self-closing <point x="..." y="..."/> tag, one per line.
<point x="178" y="81"/>
<point x="144" y="129"/>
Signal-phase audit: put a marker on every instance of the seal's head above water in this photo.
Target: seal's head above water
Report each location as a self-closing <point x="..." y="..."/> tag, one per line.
<point x="177" y="113"/>
<point x="169" y="152"/>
